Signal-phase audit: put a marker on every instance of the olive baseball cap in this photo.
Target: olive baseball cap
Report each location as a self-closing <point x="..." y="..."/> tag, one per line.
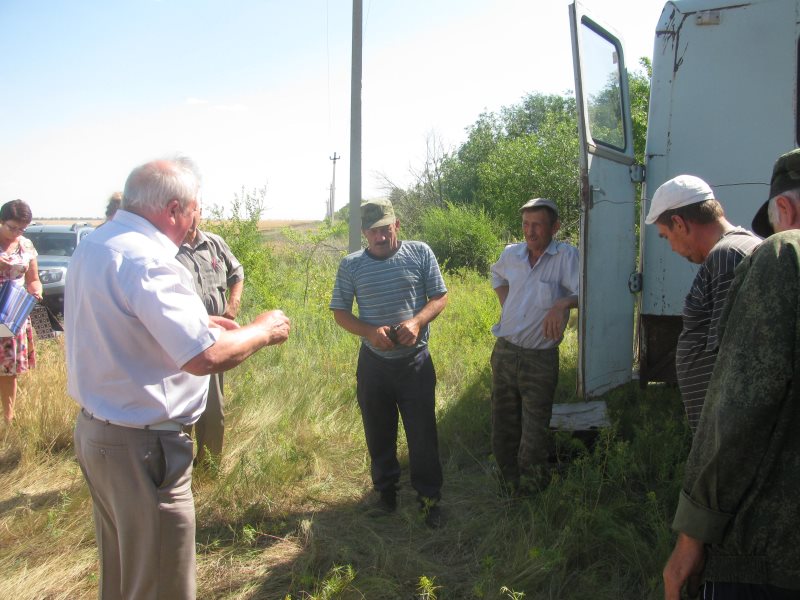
<point x="679" y="191"/>
<point x="376" y="213"/>
<point x="534" y="203"/>
<point x="785" y="177"/>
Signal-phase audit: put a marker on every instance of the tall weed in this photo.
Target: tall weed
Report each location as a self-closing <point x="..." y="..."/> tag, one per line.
<point x="242" y="235"/>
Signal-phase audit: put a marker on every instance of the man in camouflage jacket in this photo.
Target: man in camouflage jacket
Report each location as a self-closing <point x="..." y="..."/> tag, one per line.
<point x="738" y="517"/>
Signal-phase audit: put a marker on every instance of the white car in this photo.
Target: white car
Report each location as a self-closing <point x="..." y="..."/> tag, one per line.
<point x="55" y="245"/>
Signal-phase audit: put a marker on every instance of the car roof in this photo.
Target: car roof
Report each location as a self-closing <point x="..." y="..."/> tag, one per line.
<point x="58" y="228"/>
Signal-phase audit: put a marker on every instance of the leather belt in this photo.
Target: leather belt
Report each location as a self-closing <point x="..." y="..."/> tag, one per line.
<point x="169" y="425"/>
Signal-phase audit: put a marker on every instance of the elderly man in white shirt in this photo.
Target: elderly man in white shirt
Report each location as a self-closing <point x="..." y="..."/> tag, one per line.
<point x="139" y="348"/>
<point x="536" y="282"/>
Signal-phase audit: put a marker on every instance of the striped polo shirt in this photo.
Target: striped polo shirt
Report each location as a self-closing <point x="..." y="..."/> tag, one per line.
<point x="699" y="340"/>
<point x="389" y="291"/>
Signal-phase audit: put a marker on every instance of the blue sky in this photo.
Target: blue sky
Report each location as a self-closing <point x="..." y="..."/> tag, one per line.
<point x="257" y="91"/>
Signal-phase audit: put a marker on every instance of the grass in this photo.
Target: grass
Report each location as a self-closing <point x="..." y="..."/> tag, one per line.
<point x="283" y="515"/>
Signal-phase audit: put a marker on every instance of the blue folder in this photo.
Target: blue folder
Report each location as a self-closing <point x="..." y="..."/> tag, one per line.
<point x="15" y="306"/>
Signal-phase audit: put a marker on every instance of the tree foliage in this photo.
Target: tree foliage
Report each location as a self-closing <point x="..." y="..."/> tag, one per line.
<point x="525" y="150"/>
<point x="639" y="88"/>
<point x="460" y="236"/>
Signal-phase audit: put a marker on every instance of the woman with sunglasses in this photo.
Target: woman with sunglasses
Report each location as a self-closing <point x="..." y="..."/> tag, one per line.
<point x="18" y="264"/>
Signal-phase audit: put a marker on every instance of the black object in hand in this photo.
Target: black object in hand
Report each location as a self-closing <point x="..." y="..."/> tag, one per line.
<point x="393" y="333"/>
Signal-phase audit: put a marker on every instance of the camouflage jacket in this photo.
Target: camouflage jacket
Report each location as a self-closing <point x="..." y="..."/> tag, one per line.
<point x="741" y="492"/>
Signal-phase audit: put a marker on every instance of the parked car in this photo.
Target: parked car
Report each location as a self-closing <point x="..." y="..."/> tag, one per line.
<point x="55" y="245"/>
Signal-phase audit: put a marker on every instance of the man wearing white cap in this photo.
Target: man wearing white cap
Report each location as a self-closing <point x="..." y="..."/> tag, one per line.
<point x="692" y="221"/>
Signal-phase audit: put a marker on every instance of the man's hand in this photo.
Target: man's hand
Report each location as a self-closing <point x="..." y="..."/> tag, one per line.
<point x="379" y="338"/>
<point x="407" y="332"/>
<point x="685" y="566"/>
<point x="234" y="300"/>
<point x="555" y="321"/>
<point x="223" y="322"/>
<point x="232" y="309"/>
<point x="276" y="324"/>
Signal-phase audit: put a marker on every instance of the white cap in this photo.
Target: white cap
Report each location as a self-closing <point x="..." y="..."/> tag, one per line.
<point x="678" y="191"/>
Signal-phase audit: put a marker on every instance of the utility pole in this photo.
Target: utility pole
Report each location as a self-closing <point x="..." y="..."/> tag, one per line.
<point x="332" y="200"/>
<point x="355" y="131"/>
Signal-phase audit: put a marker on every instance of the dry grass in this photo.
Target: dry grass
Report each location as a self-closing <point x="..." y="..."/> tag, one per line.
<point x="46" y="536"/>
<point x="280" y="224"/>
<point x="265" y="225"/>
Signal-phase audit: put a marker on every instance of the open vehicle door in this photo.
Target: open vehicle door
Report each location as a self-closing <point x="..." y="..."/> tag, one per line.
<point x="608" y="214"/>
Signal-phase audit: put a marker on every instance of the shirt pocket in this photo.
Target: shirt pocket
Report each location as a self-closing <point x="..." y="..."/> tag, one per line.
<point x="546" y="293"/>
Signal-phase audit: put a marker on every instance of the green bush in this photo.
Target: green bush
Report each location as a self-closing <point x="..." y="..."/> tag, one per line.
<point x="460" y="236"/>
<point x="242" y="234"/>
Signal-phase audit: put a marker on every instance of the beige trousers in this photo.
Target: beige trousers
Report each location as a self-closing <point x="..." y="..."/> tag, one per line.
<point x="141" y="485"/>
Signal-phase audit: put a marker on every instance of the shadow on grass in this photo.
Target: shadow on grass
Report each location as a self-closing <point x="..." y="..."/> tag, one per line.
<point x="31" y="501"/>
<point x="600" y="530"/>
<point x="10" y="458"/>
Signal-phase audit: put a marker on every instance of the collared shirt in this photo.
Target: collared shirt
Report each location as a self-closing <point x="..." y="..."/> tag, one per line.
<point x="214" y="269"/>
<point x="132" y="320"/>
<point x="532" y="291"/>
<point x="389" y="290"/>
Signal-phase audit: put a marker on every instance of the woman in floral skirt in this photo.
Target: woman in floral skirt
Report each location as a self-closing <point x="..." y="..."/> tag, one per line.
<point x="18" y="264"/>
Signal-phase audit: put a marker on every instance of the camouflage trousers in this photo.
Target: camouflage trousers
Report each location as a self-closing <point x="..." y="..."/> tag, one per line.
<point x="523" y="385"/>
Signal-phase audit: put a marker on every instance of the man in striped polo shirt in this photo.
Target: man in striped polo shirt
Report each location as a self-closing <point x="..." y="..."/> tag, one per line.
<point x="399" y="290"/>
<point x="692" y="221"/>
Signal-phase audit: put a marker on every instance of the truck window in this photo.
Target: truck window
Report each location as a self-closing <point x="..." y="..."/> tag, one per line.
<point x="601" y="84"/>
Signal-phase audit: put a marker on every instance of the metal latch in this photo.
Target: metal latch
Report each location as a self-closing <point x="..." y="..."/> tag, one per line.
<point x="635" y="282"/>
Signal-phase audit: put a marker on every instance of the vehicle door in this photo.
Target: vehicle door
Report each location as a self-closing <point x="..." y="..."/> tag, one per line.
<point x="608" y="207"/>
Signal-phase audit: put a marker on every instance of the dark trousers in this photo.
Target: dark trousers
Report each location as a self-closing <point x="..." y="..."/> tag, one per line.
<point x="713" y="590"/>
<point x="210" y="428"/>
<point x="523" y="385"/>
<point x="406" y="386"/>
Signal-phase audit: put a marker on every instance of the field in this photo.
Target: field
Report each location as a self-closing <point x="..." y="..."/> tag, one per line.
<point x="285" y="514"/>
<point x="268" y="226"/>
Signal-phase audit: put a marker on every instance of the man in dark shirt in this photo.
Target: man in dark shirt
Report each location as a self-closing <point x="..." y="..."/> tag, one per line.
<point x="692" y="220"/>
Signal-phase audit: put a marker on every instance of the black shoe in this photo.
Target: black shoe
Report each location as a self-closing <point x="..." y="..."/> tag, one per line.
<point x="388" y="500"/>
<point x="508" y="488"/>
<point x="431" y="512"/>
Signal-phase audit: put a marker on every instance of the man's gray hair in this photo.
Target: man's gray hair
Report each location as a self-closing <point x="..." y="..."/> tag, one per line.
<point x="772" y="207"/>
<point x="151" y="186"/>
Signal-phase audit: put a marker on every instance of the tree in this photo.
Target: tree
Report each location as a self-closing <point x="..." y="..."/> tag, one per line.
<point x="543" y="164"/>
<point x="639" y="88"/>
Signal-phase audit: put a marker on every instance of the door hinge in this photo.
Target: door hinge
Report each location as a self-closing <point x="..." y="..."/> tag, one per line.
<point x="637" y="173"/>
<point x="635" y="282"/>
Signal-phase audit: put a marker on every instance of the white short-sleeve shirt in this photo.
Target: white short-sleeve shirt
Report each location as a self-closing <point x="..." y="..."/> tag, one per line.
<point x="532" y="291"/>
<point x="132" y="320"/>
